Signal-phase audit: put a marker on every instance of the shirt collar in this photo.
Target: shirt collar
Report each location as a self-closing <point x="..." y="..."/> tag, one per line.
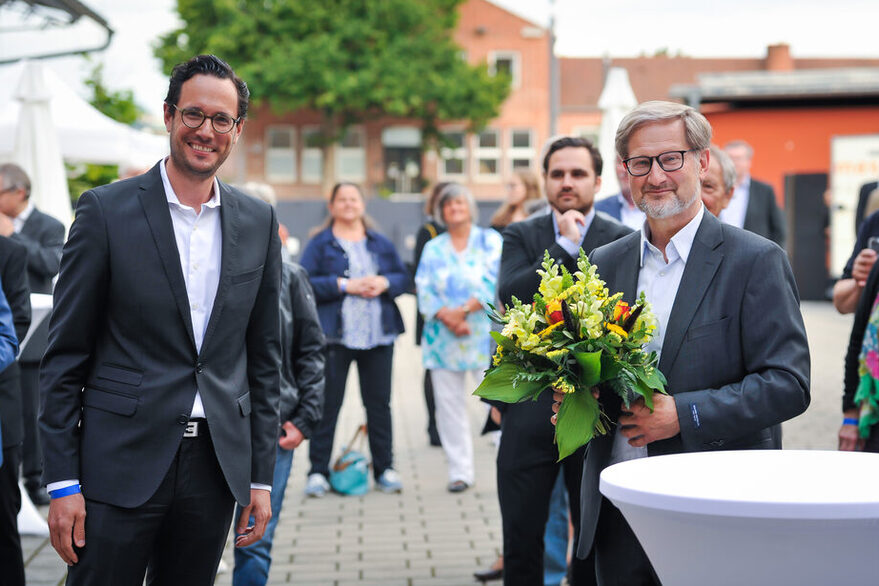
<point x="682" y="241"/>
<point x="172" y="198"/>
<point x="26" y="212"/>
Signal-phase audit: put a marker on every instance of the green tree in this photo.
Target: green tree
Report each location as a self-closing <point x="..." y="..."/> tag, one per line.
<point x="351" y="60"/>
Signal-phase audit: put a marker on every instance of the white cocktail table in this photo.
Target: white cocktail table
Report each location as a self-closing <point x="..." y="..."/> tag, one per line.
<point x="773" y="517"/>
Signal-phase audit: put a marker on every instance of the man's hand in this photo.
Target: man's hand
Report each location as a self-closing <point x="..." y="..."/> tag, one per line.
<point x="569" y="224"/>
<point x="292" y="438"/>
<point x="67" y="526"/>
<point x="260" y="508"/>
<point x="863" y="265"/>
<point x="7" y="228"/>
<point x="643" y="427"/>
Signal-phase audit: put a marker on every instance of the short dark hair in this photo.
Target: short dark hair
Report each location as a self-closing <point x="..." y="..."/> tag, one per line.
<point x="206" y="65"/>
<point x="575" y="142"/>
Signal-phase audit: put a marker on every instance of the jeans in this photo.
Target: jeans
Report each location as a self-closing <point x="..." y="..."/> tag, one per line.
<point x="252" y="563"/>
<point x="555" y="539"/>
<point x="374" y="370"/>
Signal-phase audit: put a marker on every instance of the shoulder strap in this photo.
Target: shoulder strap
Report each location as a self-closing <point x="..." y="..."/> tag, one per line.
<point x="431" y="229"/>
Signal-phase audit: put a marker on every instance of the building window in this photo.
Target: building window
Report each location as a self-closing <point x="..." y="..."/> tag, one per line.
<point x="351" y="155"/>
<point x="488" y="154"/>
<point x="521" y="149"/>
<point x="312" y="156"/>
<point x="507" y="62"/>
<point x="453" y="156"/>
<point x="280" y="161"/>
<point x="588" y="132"/>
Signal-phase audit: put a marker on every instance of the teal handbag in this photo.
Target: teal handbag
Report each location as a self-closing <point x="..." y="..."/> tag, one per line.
<point x="350" y="471"/>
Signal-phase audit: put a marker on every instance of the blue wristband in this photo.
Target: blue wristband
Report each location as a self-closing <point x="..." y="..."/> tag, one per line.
<point x="66" y="491"/>
<point x="849" y="421"/>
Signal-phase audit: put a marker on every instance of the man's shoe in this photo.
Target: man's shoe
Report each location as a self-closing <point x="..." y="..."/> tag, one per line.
<point x="458" y="486"/>
<point x="39" y="496"/>
<point x="389" y="481"/>
<point x="489" y="574"/>
<point x="316" y="486"/>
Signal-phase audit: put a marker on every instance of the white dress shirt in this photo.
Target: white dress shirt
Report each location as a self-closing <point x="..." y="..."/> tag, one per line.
<point x="659" y="280"/>
<point x="19" y="220"/>
<point x="734" y="213"/>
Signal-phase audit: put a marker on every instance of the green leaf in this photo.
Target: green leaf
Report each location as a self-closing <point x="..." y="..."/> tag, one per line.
<point x="503" y="341"/>
<point x="577" y="419"/>
<point x="590" y="367"/>
<point x="498" y="386"/>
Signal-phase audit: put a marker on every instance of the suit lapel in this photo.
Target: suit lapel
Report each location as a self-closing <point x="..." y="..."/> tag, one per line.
<point x="229" y="220"/>
<point x="155" y="207"/>
<point x="702" y="264"/>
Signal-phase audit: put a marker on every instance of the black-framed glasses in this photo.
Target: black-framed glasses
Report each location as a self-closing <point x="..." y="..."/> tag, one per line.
<point x="194" y="118"/>
<point x="668" y="161"/>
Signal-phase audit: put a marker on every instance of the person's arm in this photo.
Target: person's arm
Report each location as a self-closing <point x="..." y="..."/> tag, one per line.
<point x="307" y="356"/>
<point x="324" y="284"/>
<point x="44" y="252"/>
<point x="15" y="287"/>
<point x="429" y="299"/>
<point x="393" y="270"/>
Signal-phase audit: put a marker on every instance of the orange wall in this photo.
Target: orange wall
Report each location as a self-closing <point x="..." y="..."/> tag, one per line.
<point x="792" y="140"/>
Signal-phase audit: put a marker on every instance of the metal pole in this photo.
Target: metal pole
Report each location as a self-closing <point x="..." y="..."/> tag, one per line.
<point x="553" y="75"/>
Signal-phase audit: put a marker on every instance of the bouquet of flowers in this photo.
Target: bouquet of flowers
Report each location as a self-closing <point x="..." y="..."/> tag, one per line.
<point x="573" y="337"/>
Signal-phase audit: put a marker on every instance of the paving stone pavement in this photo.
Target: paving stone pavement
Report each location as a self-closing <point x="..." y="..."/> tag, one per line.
<point x="425" y="535"/>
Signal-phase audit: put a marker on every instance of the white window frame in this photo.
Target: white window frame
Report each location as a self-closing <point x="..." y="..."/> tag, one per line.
<point x="528" y="153"/>
<point x="446" y="153"/>
<point x="515" y="69"/>
<point x="289" y="152"/>
<point x="488" y="153"/>
<point x="311" y="153"/>
<point x="344" y="154"/>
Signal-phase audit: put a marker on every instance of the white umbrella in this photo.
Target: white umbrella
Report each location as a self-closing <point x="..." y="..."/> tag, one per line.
<point x="36" y="145"/>
<point x="617" y="99"/>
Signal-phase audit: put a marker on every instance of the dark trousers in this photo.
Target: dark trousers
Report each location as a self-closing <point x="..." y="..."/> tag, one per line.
<point x="374" y="370"/>
<point x="176" y="537"/>
<point x="11" y="563"/>
<point x="619" y="558"/>
<point x="524" y="492"/>
<point x="31" y="453"/>
<point x="431" y="406"/>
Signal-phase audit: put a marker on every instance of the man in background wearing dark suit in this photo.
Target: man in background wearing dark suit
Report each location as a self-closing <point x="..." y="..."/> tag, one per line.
<point x="729" y="334"/>
<point x="527" y="457"/>
<point x="621" y="207"/>
<point x="42" y="236"/>
<point x="753" y="205"/>
<point x="160" y="384"/>
<point x="13" y="288"/>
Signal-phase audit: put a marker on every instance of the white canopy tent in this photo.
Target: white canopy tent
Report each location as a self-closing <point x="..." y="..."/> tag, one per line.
<point x="617" y="99"/>
<point x="85" y="135"/>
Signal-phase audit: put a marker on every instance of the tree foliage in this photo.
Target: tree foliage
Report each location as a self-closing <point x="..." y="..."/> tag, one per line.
<point x="352" y="60"/>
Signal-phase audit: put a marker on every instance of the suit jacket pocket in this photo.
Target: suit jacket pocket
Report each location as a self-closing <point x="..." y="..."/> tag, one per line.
<point x="717" y="328"/>
<point x="244" y="404"/>
<point x="246" y="276"/>
<point x="111" y="402"/>
<point x="119" y="374"/>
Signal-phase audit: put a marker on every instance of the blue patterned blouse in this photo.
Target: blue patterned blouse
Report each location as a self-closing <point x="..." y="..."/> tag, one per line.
<point x="361" y="317"/>
<point x="448" y="278"/>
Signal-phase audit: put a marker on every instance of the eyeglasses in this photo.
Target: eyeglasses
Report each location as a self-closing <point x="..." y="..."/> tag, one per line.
<point x="668" y="161"/>
<point x="194" y="118"/>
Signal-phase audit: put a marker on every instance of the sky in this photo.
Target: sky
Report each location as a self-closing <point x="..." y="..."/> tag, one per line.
<point x="619" y="28"/>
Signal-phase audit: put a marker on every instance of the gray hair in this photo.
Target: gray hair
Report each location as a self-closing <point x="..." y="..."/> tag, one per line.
<point x="450" y="192"/>
<point x="726" y="167"/>
<point x="697" y="128"/>
<point x="15" y="178"/>
<point x="262" y="191"/>
<point x="734" y="144"/>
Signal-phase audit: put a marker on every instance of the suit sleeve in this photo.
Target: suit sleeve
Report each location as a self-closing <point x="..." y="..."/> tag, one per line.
<point x="307" y="356"/>
<point x="518" y="272"/>
<point x="79" y="299"/>
<point x="15" y="287"/>
<point x="263" y="358"/>
<point x="777" y="225"/>
<point x="44" y="252"/>
<point x="775" y="355"/>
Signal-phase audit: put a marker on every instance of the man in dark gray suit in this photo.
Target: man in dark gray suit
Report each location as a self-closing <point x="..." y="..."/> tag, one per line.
<point x="160" y="383"/>
<point x="42" y="236"/>
<point x="753" y="205"/>
<point x="730" y="335"/>
<point x="528" y="458"/>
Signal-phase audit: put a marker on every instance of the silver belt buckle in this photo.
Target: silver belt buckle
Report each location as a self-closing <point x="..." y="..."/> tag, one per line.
<point x="191" y="429"/>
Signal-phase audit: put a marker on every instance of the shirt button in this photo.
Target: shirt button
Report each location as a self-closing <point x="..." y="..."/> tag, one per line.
<point x="199" y="368"/>
<point x="195" y="307"/>
<point x="183" y="419"/>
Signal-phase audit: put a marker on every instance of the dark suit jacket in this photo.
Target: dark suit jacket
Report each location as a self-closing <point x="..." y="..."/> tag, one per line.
<point x="735" y="351"/>
<point x="122" y="362"/>
<point x="13" y="275"/>
<point x="43" y="236"/>
<point x="611" y="206"/>
<point x="524" y="244"/>
<point x="763" y="215"/>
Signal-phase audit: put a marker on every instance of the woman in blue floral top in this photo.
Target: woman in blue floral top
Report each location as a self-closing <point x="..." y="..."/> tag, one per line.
<point x="356" y="274"/>
<point x="456" y="278"/>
